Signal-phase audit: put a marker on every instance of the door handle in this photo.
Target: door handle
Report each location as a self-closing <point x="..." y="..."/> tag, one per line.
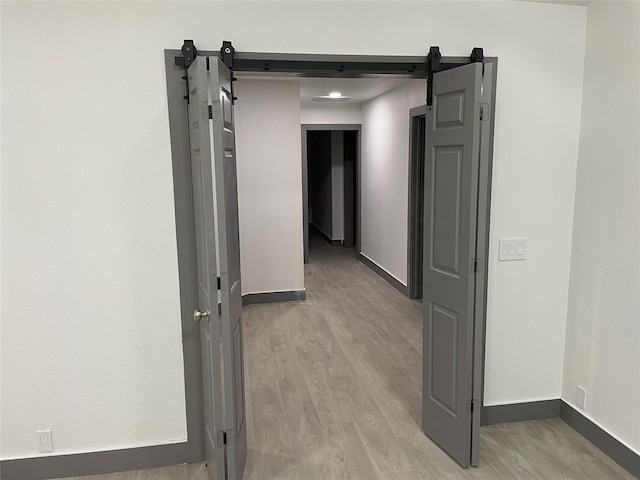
<point x="197" y="314"/>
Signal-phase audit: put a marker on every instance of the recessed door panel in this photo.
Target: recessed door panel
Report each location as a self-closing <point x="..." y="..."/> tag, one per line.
<point x="444" y="372"/>
<point x="449" y="110"/>
<point x="446" y="192"/>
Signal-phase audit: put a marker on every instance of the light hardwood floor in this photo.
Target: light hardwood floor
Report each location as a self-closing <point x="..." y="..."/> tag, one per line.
<point x="334" y="392"/>
<point x="193" y="471"/>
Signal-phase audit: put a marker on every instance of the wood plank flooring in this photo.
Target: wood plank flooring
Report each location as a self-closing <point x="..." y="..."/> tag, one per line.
<point x="192" y="471"/>
<point x="334" y="392"/>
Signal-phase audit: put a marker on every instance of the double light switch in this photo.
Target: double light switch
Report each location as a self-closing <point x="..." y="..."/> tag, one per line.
<point x="512" y="249"/>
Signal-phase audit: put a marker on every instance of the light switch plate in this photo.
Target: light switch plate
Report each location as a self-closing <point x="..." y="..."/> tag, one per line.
<point x="512" y="249"/>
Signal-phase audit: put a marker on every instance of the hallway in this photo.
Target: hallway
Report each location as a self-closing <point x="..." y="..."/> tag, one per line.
<point x="334" y="391"/>
<point x="331" y="370"/>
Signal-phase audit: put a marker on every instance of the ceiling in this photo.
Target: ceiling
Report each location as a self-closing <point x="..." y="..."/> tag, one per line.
<point x="583" y="3"/>
<point x="358" y="89"/>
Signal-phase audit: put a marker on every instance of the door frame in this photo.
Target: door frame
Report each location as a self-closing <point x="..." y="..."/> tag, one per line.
<point x="307" y="127"/>
<point x="295" y="65"/>
<point x="187" y="261"/>
<point x="414" y="230"/>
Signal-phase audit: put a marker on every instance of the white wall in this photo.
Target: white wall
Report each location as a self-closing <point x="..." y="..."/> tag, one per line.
<point x="88" y="232"/>
<point x="91" y="335"/>
<point x="331" y="114"/>
<point x="384" y="174"/>
<point x="269" y="182"/>
<point x="603" y="325"/>
<point x="337" y="185"/>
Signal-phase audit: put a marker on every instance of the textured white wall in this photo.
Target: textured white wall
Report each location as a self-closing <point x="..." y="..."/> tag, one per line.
<point x="603" y="325"/>
<point x="88" y="233"/>
<point x="331" y="114"/>
<point x="384" y="174"/>
<point x="269" y="174"/>
<point x="91" y="335"/>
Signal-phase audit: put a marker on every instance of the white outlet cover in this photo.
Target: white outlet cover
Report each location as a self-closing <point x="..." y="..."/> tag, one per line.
<point x="45" y="442"/>
<point x="581" y="397"/>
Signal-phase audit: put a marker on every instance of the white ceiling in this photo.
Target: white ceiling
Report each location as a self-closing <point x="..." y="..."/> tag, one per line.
<point x="358" y="89"/>
<point x="583" y="3"/>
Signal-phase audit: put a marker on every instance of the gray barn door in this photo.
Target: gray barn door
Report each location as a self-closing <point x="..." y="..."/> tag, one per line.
<point x="213" y="165"/>
<point x="226" y="195"/>
<point x="207" y="310"/>
<point x="450" y="221"/>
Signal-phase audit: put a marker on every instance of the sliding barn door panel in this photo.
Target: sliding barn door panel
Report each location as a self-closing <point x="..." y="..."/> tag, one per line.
<point x="450" y="213"/>
<point x="206" y="248"/>
<point x="226" y="196"/>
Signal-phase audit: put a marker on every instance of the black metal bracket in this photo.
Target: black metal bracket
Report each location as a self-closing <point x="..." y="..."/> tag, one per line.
<point x="477" y="55"/>
<point x="189" y="53"/>
<point x="227" y="54"/>
<point x="433" y="65"/>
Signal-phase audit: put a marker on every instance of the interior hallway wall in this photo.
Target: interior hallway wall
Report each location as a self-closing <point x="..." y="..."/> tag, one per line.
<point x="88" y="228"/>
<point x="385" y="176"/>
<point x="602" y="351"/>
<point x="336" y="114"/>
<point x="270" y="191"/>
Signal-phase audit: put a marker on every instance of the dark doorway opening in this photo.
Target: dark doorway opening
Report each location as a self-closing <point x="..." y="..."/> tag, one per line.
<point x="330" y="184"/>
<point x="320" y="185"/>
<point x="416" y="200"/>
<point x="350" y="143"/>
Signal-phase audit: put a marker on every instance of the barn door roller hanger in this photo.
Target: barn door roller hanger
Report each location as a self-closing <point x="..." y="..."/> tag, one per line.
<point x="338" y="65"/>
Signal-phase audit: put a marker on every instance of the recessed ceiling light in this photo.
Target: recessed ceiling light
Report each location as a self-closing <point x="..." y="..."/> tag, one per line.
<point x="327" y="98"/>
<point x="335" y="95"/>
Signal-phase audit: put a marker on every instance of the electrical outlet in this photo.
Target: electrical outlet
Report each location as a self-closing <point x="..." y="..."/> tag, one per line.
<point x="45" y="443"/>
<point x="581" y="397"/>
